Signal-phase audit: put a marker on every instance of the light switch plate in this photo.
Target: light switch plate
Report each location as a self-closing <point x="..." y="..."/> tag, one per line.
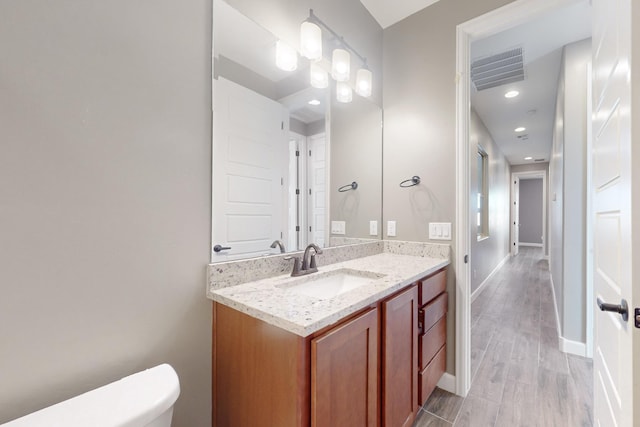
<point x="391" y="228"/>
<point x="338" y="227"/>
<point x="440" y="230"/>
<point x="373" y="228"/>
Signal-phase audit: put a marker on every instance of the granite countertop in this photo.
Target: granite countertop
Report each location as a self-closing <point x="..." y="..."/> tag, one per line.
<point x="273" y="302"/>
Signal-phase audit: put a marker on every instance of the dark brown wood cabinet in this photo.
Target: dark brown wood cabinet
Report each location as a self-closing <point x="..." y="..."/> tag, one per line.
<point x="373" y="368"/>
<point x="344" y="374"/>
<point x="432" y="321"/>
<point x="400" y="358"/>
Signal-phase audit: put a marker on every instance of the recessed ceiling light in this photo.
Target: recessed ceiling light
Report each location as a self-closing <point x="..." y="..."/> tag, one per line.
<point x="511" y="94"/>
<point x="314" y="102"/>
<point x="528" y="158"/>
<point x="520" y="129"/>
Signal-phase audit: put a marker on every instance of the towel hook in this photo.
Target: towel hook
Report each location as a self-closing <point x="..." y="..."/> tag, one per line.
<point x="414" y="180"/>
<point x="348" y="187"/>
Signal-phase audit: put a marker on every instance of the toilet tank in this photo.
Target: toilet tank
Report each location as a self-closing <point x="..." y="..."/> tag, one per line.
<point x="144" y="399"/>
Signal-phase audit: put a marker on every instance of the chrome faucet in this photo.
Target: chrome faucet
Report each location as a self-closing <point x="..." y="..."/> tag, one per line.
<point x="280" y="244"/>
<point x="308" y="264"/>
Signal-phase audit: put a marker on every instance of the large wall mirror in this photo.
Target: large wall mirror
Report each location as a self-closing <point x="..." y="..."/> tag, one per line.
<point x="285" y="154"/>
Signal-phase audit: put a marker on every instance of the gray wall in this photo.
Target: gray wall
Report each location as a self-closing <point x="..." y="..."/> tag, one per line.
<point x="356" y="155"/>
<point x="567" y="170"/>
<point x="419" y="124"/>
<point x="530" y="211"/>
<point x="105" y="195"/>
<point x="487" y="253"/>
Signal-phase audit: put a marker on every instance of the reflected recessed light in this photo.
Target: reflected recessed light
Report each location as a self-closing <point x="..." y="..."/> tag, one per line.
<point x="511" y="94"/>
<point x="314" y="102"/>
<point x="520" y="129"/>
<point x="528" y="158"/>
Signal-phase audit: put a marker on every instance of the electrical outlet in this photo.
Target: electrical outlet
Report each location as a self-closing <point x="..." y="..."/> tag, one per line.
<point x="373" y="228"/>
<point x="391" y="228"/>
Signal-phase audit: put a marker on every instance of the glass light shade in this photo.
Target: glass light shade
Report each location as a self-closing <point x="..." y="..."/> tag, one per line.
<point x="364" y="81"/>
<point x="286" y="56"/>
<point x="311" y="41"/>
<point x="340" y="65"/>
<point x="343" y="92"/>
<point x="319" y="77"/>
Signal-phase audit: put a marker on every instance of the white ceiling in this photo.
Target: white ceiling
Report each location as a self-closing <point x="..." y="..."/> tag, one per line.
<point x="542" y="40"/>
<point x="388" y="12"/>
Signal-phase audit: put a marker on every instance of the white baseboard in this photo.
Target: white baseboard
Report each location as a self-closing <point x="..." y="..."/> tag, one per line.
<point x="566" y="346"/>
<point x="573" y="347"/>
<point x="533" y="245"/>
<point x="448" y="382"/>
<point x="484" y="283"/>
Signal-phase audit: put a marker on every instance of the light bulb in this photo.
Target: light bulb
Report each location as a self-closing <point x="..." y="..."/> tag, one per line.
<point x="319" y="77"/>
<point x="340" y="65"/>
<point x="363" y="82"/>
<point x="286" y="56"/>
<point x="311" y="41"/>
<point x="343" y="92"/>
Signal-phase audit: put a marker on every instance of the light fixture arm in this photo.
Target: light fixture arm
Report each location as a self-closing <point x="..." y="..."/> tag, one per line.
<point x="314" y="18"/>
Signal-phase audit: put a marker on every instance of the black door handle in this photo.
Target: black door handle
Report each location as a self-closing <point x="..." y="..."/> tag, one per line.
<point x="622" y="308"/>
<point x="218" y="248"/>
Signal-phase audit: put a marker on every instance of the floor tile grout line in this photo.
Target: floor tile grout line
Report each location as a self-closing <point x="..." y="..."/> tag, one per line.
<point x="439" y="417"/>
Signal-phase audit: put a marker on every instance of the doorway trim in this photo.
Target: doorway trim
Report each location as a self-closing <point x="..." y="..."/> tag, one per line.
<point x="508" y="16"/>
<point x="538" y="174"/>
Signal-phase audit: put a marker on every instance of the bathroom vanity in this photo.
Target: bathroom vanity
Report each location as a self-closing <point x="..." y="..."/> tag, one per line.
<point x="369" y="355"/>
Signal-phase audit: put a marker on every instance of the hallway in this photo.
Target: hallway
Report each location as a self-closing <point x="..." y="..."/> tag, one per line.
<point x="519" y="377"/>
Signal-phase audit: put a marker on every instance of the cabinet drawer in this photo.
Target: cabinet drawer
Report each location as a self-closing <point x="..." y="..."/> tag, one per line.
<point x="429" y="377"/>
<point x="432" y="286"/>
<point x="432" y="312"/>
<point x="431" y="341"/>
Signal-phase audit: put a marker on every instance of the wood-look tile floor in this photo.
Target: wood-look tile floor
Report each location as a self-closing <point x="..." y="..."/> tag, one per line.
<point x="519" y="375"/>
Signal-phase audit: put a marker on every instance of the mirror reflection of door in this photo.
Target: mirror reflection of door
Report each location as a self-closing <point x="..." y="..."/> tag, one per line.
<point x="249" y="164"/>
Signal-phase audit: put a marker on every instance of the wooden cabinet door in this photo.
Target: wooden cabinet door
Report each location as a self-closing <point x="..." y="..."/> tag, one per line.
<point x="400" y="359"/>
<point x="344" y="374"/>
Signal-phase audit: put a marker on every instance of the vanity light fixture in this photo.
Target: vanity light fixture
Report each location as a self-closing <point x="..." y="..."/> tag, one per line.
<point x="310" y="41"/>
<point x="520" y="129"/>
<point x="340" y="65"/>
<point x="511" y="94"/>
<point x="286" y="56"/>
<point x="344" y="93"/>
<point x="363" y="82"/>
<point x="319" y="77"/>
<point x="311" y="47"/>
<point x="314" y="102"/>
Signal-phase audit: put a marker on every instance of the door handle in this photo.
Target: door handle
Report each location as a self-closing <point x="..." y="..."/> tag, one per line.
<point x="622" y="308"/>
<point x="218" y="248"/>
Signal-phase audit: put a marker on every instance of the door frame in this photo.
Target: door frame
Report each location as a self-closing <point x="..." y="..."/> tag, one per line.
<point x="508" y="16"/>
<point x="539" y="174"/>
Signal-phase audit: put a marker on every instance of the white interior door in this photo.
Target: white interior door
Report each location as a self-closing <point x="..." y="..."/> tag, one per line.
<point x="317" y="184"/>
<point x="250" y="173"/>
<point x="515" y="216"/>
<point x="613" y="357"/>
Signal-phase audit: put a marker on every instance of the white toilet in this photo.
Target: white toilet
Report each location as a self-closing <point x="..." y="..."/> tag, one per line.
<point x="144" y="399"/>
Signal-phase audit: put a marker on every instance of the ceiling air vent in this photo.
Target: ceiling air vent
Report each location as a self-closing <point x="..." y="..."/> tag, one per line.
<point x="538" y="160"/>
<point x="497" y="70"/>
<point x="523" y="137"/>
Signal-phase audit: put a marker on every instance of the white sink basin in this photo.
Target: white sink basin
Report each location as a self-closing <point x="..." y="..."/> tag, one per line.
<point x="330" y="284"/>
